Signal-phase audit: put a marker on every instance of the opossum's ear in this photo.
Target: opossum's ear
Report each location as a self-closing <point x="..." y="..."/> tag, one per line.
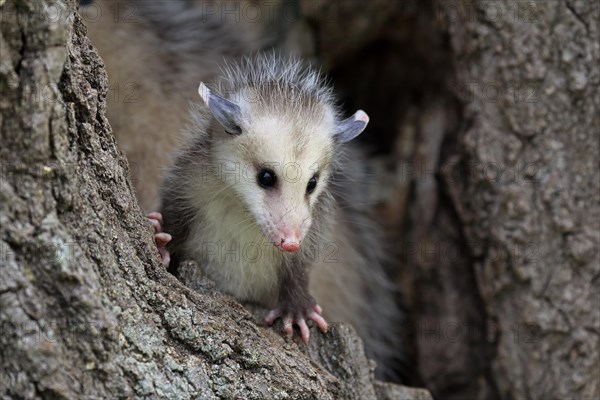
<point x="350" y="128"/>
<point x="228" y="114"/>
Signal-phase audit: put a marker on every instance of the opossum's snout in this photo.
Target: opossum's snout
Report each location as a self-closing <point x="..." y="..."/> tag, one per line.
<point x="287" y="226"/>
<point x="287" y="240"/>
<point x="283" y="210"/>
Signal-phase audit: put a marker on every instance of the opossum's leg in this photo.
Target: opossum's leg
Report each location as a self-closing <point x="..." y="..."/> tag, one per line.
<point x="296" y="305"/>
<point x="161" y="238"/>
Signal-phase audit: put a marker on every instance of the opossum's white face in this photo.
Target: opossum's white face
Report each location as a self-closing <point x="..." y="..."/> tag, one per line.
<point x="280" y="157"/>
<point x="283" y="169"/>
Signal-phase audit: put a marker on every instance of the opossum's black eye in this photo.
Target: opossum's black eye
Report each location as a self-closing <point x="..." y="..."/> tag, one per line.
<point x="312" y="184"/>
<point x="266" y="178"/>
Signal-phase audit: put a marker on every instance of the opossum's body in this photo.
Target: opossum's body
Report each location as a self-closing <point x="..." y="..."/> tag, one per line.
<point x="220" y="216"/>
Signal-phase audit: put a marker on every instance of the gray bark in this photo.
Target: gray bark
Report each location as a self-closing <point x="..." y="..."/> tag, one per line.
<point x="86" y="308"/>
<point x="529" y="203"/>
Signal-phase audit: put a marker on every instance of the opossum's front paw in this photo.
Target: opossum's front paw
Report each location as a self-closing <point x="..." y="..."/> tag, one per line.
<point x="161" y="238"/>
<point x="291" y="317"/>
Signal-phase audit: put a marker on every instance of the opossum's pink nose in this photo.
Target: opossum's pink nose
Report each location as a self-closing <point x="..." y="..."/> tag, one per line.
<point x="289" y="241"/>
<point x="292" y="247"/>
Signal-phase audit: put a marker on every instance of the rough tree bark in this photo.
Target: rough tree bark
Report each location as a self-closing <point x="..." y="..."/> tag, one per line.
<point x="86" y="308"/>
<point x="529" y="194"/>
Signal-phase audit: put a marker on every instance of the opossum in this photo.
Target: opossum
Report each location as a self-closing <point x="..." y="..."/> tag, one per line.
<point x="265" y="196"/>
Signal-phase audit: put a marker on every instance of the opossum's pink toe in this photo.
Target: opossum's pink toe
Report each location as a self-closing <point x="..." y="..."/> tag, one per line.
<point x="288" y="327"/>
<point x="160" y="238"/>
<point x="272" y="316"/>
<point x="156" y="220"/>
<point x="320" y="321"/>
<point x="156" y="216"/>
<point x="318" y="309"/>
<point x="155" y="225"/>
<point x="164" y="256"/>
<point x="304" y="332"/>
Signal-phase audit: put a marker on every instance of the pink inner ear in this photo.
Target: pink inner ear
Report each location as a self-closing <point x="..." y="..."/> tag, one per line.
<point x="360" y="115"/>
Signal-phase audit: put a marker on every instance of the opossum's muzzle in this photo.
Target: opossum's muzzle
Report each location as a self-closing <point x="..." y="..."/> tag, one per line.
<point x="289" y="242"/>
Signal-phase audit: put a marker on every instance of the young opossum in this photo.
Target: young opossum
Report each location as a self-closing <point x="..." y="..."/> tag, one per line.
<point x="265" y="192"/>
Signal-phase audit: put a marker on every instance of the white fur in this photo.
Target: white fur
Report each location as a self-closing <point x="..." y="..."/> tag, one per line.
<point x="236" y="256"/>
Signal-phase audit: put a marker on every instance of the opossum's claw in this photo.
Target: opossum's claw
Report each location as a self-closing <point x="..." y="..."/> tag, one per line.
<point x="318" y="319"/>
<point x="161" y="238"/>
<point x="313" y="314"/>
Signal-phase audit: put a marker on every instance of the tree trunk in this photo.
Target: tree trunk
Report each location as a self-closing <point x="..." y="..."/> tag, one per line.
<point x="87" y="310"/>
<point x="528" y="195"/>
